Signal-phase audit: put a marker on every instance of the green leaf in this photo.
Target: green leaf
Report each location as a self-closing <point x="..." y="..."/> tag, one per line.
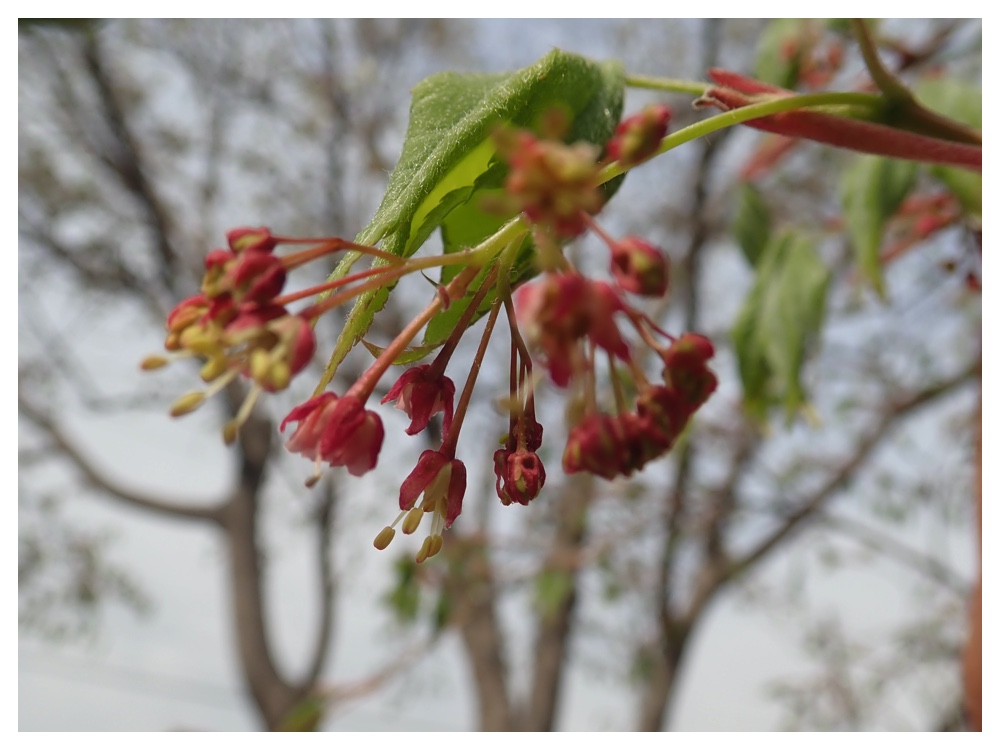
<point x="779" y="51"/>
<point x="305" y="716"/>
<point x="404" y="598"/>
<point x="780" y="318"/>
<point x="551" y="589"/>
<point x="442" y="324"/>
<point x="871" y="190"/>
<point x="448" y="155"/>
<point x="959" y="100"/>
<point x="409" y="354"/>
<point x="963" y="102"/>
<point x="752" y="226"/>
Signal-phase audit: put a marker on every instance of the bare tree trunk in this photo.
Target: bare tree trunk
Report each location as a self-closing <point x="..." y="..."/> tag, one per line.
<point x="273" y="696"/>
<point x="555" y="622"/>
<point x="654" y="708"/>
<point x="471" y="588"/>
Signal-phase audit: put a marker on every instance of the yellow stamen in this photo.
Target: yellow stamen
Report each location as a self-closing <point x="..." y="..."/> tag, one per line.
<point x="260" y="363"/>
<point x="187" y="403"/>
<point x="384" y="537"/>
<point x="213" y="368"/>
<point x="425" y="550"/>
<point x="154" y="362"/>
<point x="413" y="519"/>
<point x="280" y="375"/>
<point x="437" y="542"/>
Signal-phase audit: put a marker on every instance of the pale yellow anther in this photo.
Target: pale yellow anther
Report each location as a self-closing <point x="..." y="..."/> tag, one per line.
<point x="230" y="431"/>
<point x="425" y="551"/>
<point x="154" y="362"/>
<point x="311" y="480"/>
<point x="412" y="520"/>
<point x="437" y="542"/>
<point x="260" y="364"/>
<point x="213" y="368"/>
<point x="196" y="340"/>
<point x="187" y="403"/>
<point x="384" y="537"/>
<point x="280" y="376"/>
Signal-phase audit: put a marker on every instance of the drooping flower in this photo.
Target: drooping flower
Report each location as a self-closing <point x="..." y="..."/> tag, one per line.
<point x="441" y="479"/>
<point x="685" y="369"/>
<point x="598" y="444"/>
<point x="421" y="395"/>
<point x="339" y="431"/>
<point x="557" y="311"/>
<point x="520" y="475"/>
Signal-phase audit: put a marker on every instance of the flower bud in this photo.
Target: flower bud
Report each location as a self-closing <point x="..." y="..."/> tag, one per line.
<point x="638" y="137"/>
<point x="245" y="240"/>
<point x="640" y="267"/>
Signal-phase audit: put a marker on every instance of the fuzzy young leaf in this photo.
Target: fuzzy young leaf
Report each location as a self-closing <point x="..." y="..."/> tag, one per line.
<point x="871" y="190"/>
<point x="781" y="316"/>
<point x="448" y="155"/>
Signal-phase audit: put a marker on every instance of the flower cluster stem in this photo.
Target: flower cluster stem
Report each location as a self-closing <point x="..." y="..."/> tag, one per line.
<point x="753" y="112"/>
<point x="364" y="385"/>
<point x="451" y="439"/>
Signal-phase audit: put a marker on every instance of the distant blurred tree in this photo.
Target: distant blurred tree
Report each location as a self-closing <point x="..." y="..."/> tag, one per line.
<point x="139" y="142"/>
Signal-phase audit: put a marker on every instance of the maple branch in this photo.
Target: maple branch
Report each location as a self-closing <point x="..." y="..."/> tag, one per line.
<point x="97" y="478"/>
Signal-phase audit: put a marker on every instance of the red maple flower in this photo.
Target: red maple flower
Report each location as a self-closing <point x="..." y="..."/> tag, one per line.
<point x="339" y="431"/>
<point x="637" y="137"/>
<point x="520" y="475"/>
<point x="421" y="395"/>
<point x="640" y="267"/>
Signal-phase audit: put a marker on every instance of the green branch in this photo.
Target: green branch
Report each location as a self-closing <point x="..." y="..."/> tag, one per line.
<point x="753" y="112"/>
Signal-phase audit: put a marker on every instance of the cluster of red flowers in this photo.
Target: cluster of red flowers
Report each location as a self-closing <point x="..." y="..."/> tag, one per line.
<point x="239" y="326"/>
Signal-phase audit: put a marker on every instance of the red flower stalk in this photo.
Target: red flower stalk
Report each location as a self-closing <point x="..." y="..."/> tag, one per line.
<point x="421" y="395"/>
<point x="640" y="267"/>
<point x="638" y="137"/>
<point x="844" y="132"/>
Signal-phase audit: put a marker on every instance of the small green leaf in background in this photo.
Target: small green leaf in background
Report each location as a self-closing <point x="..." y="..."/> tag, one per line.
<point x="779" y="320"/>
<point x="304" y="717"/>
<point x="448" y="155"/>
<point x="404" y="599"/>
<point x="963" y="102"/>
<point x="551" y="589"/>
<point x="780" y="49"/>
<point x="752" y="226"/>
<point x="871" y="190"/>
